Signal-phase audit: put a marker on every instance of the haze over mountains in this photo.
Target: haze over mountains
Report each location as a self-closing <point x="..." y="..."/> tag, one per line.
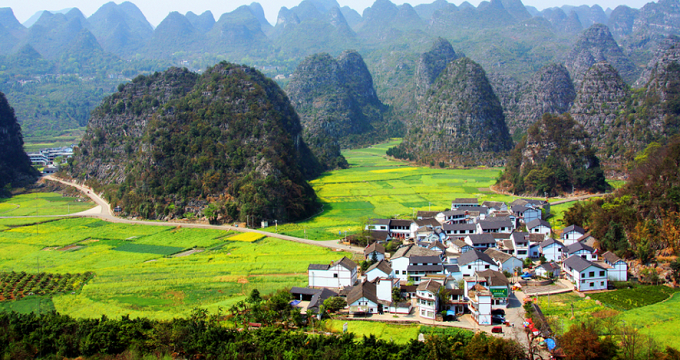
<point x="579" y="59"/>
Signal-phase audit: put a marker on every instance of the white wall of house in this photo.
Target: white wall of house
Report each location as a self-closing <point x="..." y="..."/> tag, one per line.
<point x="534" y="251"/>
<point x="592" y="278"/>
<point x="540" y="229"/>
<point x="377" y="273"/>
<point x="383" y="289"/>
<point x="404" y="310"/>
<point x="544" y="273"/>
<point x="364" y="302"/>
<point x="399" y="265"/>
<point x="427" y="304"/>
<point x="570" y="237"/>
<point x="553" y="252"/>
<point x="531" y="215"/>
<point x="378" y="256"/>
<point x="619" y="271"/>
<point x="335" y="277"/>
<point x="477" y="265"/>
<point x="481" y="310"/>
<point x="511" y="264"/>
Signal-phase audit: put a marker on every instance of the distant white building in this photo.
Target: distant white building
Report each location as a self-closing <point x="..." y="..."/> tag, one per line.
<point x="340" y="274"/>
<point x="428" y="301"/>
<point x="619" y="270"/>
<point x="581" y="250"/>
<point x="379" y="270"/>
<point x="473" y="261"/>
<point x="551" y="250"/>
<point x="572" y="234"/>
<point x="539" y="227"/>
<point x="585" y="275"/>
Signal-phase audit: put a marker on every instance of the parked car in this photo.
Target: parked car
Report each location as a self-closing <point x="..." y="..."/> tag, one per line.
<point x="498" y="312"/>
<point x="499" y="319"/>
<point x="497" y="329"/>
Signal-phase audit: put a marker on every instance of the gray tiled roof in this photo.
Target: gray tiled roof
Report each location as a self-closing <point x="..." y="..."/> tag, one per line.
<point x="577" y="246"/>
<point x="318" y="267"/>
<point x="579" y="264"/>
<point x="473" y="255"/>
<point x="366" y="290"/>
<point x="537" y="222"/>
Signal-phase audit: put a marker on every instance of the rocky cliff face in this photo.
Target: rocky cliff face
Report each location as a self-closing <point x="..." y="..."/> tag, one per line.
<point x="337" y="104"/>
<point x="15" y="166"/>
<point x="596" y="45"/>
<point x="431" y="64"/>
<point x="175" y="142"/>
<point x="601" y="97"/>
<point x="667" y="52"/>
<point x="550" y="91"/>
<point x="460" y="119"/>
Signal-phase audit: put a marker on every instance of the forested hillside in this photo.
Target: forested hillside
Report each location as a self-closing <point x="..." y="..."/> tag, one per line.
<point x="15" y="166"/>
<point x="226" y="145"/>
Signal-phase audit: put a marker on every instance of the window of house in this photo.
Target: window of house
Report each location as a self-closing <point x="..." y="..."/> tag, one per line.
<point x="601" y="273"/>
<point x="335" y="275"/>
<point x="469" y="266"/>
<point x="591" y="274"/>
<point x="601" y="283"/>
<point x="486" y="266"/>
<point x="592" y="284"/>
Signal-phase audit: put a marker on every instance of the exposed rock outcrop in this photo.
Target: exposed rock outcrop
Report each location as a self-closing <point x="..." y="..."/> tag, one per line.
<point x="460" y="120"/>
<point x="596" y="45"/>
<point x="337" y="104"/>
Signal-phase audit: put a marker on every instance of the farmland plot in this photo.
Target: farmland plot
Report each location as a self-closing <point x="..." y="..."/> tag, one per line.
<point x="134" y="274"/>
<point x="42" y="204"/>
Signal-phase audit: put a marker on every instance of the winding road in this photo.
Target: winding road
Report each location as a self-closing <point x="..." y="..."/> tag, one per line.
<point x="103" y="211"/>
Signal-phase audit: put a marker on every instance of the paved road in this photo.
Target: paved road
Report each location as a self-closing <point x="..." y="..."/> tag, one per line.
<point x="103" y="211"/>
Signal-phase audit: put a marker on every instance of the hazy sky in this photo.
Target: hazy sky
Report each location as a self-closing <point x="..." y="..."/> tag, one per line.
<point x="157" y="10"/>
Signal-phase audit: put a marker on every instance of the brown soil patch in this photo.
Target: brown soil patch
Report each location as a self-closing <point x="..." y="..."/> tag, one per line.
<point x="51" y="248"/>
<point x="243" y="281"/>
<point x="189" y="252"/>
<point x="88" y="241"/>
<point x="70" y="248"/>
<point x="176" y="296"/>
<point x="484" y="189"/>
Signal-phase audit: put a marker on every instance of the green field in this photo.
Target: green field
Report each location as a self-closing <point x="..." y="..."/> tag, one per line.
<point x="400" y="334"/>
<point x="134" y="274"/>
<point x="377" y="187"/>
<point x="42" y="204"/>
<point x="655" y="310"/>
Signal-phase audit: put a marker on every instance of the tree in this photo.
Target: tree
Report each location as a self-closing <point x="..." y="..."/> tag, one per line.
<point x="583" y="342"/>
<point x="615" y="240"/>
<point x="254" y="297"/>
<point x="675" y="266"/>
<point x="334" y="303"/>
<point x="396" y="295"/>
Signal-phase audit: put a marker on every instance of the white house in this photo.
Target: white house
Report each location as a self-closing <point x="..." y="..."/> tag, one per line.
<point x="400" y="260"/>
<point x="422" y="266"/>
<point x="383" y="289"/>
<point x="546" y="269"/>
<point x="494" y="226"/>
<point x="505" y="262"/>
<point x="461" y="202"/>
<point x="378" y="225"/>
<point x="537" y="204"/>
<point x="581" y="250"/>
<point x="481" y="241"/>
<point x="571" y="234"/>
<point x="459" y="231"/>
<point x="495" y="206"/>
<point x="480" y="304"/>
<point x="551" y="249"/>
<point x="456" y="217"/>
<point x="428" y="301"/>
<point x="472" y="261"/>
<point x="342" y="273"/>
<point x="526" y="213"/>
<point x="539" y="226"/>
<point x="403" y="229"/>
<point x="375" y="252"/>
<point x="497" y="284"/>
<point x="520" y="244"/>
<point x="619" y="270"/>
<point x="363" y="299"/>
<point x="585" y="275"/>
<point x="379" y="270"/>
<point x="460" y="246"/>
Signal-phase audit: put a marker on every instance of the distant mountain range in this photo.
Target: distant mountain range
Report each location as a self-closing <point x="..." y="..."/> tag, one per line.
<point x="579" y="59"/>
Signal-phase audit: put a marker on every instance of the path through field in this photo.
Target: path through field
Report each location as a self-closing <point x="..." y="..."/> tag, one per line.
<point x="103" y="211"/>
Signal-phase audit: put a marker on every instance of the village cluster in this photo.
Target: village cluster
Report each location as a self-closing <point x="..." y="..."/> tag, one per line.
<point x="463" y="260"/>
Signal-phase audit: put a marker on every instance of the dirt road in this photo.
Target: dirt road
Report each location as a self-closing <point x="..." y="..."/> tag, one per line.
<point x="103" y="211"/>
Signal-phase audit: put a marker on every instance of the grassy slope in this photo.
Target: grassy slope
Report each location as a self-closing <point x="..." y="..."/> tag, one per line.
<point x="146" y="283"/>
<point x="660" y="321"/>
